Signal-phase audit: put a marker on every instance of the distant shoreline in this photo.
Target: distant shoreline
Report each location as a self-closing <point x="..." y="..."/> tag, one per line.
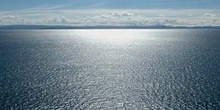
<point x="101" y="27"/>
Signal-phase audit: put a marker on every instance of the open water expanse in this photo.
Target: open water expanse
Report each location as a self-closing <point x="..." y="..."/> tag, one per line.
<point x="110" y="69"/>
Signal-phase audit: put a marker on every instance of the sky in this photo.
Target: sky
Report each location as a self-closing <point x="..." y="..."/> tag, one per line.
<point x="188" y="13"/>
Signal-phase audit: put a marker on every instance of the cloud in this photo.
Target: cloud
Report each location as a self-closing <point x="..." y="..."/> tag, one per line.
<point x="113" y="17"/>
<point x="12" y="20"/>
<point x="10" y="17"/>
<point x="45" y="8"/>
<point x="162" y="15"/>
<point x="94" y="5"/>
<point x="209" y="15"/>
<point x="61" y="20"/>
<point x="120" y="14"/>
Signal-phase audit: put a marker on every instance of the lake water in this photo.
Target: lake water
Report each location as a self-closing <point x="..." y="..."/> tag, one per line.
<point x="110" y="69"/>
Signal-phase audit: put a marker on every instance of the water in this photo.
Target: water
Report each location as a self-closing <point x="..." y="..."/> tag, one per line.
<point x="110" y="69"/>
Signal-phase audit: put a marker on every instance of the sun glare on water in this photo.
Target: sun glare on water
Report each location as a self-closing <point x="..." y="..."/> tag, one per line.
<point x="115" y="37"/>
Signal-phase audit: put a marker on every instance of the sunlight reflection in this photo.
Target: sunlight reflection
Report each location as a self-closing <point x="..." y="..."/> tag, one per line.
<point x="119" y="37"/>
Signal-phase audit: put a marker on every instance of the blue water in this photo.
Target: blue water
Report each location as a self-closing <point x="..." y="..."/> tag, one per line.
<point x="110" y="69"/>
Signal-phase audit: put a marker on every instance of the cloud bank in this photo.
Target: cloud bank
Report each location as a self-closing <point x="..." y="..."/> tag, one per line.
<point x="113" y="17"/>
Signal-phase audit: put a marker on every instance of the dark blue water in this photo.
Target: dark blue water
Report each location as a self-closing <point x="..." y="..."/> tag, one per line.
<point x="110" y="69"/>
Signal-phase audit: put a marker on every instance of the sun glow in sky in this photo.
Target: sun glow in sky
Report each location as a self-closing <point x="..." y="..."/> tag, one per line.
<point x="110" y="12"/>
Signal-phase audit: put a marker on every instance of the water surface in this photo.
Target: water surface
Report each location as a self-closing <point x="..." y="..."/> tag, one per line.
<point x="110" y="69"/>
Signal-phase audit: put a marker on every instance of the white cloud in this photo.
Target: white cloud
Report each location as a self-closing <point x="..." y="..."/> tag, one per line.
<point x="162" y="15"/>
<point x="187" y="17"/>
<point x="120" y="14"/>
<point x="209" y="14"/>
<point x="61" y="20"/>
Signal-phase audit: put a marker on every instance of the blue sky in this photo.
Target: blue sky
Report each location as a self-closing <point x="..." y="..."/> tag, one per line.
<point x="111" y="12"/>
<point x="112" y="4"/>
